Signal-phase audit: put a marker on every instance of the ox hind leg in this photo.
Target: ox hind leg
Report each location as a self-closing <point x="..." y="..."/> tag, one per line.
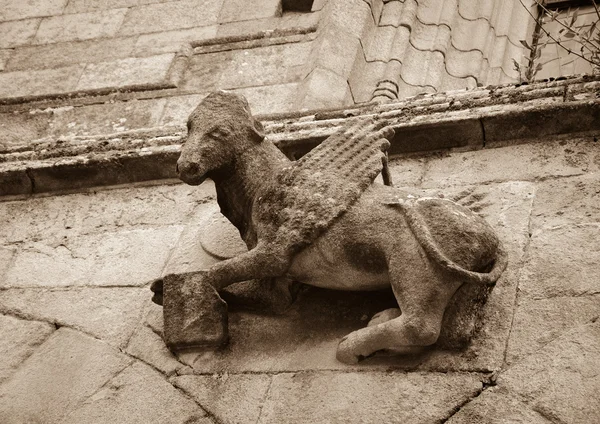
<point x="423" y="293"/>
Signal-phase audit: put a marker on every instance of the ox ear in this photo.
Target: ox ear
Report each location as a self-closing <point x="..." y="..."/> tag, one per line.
<point x="258" y="131"/>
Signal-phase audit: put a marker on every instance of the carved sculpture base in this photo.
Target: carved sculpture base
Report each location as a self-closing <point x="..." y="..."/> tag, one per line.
<point x="194" y="314"/>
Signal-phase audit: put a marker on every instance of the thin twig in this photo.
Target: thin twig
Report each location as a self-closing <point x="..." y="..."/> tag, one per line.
<point x="596" y="9"/>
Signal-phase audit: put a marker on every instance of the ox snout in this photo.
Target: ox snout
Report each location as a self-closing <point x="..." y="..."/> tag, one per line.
<point x="189" y="172"/>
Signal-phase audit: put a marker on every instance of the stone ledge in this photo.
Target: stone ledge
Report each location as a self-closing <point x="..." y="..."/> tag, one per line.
<point x="466" y="119"/>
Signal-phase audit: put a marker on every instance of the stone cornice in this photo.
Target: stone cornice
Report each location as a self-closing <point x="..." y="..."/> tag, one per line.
<point x="466" y="119"/>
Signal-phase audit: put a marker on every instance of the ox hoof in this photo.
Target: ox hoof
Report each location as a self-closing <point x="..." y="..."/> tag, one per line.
<point x="346" y="352"/>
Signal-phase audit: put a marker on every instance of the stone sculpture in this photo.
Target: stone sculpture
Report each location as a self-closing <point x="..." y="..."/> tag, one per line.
<point x="322" y="221"/>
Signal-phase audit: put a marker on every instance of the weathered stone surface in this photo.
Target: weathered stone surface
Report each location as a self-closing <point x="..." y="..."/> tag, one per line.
<point x="138" y="395"/>
<point x="289" y="20"/>
<point x="124" y="72"/>
<point x="323" y="89"/>
<point x="107" y="118"/>
<point x="16" y="33"/>
<point x="79" y="26"/>
<point x="63" y="54"/>
<point x="178" y="109"/>
<point x="171" y="15"/>
<point x="194" y="314"/>
<point x="148" y="346"/>
<point x="14" y="181"/>
<point x="172" y="41"/>
<point x="220" y="238"/>
<point x="232" y="398"/>
<point x="19" y="129"/>
<point x="497" y="406"/>
<point x="560" y="381"/>
<point x="124" y="258"/>
<point x="243" y="10"/>
<point x="266" y="99"/>
<point x="521" y="162"/>
<point x="539" y="322"/>
<point x="6" y="257"/>
<point x="82" y="6"/>
<point x="366" y="397"/>
<point x="578" y="202"/>
<point x="18" y="340"/>
<point x="65" y="370"/>
<point x="407" y="172"/>
<point x="39" y="82"/>
<point x="109" y="314"/>
<point x="20" y="10"/>
<point x="4" y="55"/>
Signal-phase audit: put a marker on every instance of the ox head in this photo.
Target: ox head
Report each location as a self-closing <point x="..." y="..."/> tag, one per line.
<point x="219" y="130"/>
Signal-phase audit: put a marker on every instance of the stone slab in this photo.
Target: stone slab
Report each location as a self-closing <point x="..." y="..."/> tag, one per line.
<point x="124" y="258"/>
<point x="172" y="41"/>
<point x="65" y="370"/>
<point x="20" y="10"/>
<point x="108" y="314"/>
<point x="245" y="10"/>
<point x="79" y="26"/>
<point x="561" y="380"/>
<point x="4" y="55"/>
<point x="17" y="33"/>
<point x="557" y="158"/>
<point x="231" y="398"/>
<point x="127" y="72"/>
<point x="138" y="395"/>
<point x="82" y="6"/>
<point x="40" y="82"/>
<point x="367" y="397"/>
<point x="18" y="340"/>
<point x="171" y="15"/>
<point x="18" y="130"/>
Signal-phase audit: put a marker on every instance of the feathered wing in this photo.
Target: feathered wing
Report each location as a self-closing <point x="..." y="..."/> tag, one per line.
<point x="324" y="183"/>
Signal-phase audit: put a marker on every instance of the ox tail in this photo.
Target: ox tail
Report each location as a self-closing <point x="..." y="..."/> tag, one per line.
<point x="419" y="228"/>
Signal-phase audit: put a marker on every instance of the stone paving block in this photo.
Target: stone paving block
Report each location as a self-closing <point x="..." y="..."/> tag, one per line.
<point x="366" y="397"/>
<point x="107" y="118"/>
<point x="110" y="314"/>
<point x="578" y="202"/>
<point x="15" y="10"/>
<point x="138" y="395"/>
<point x="40" y="82"/>
<point x="18" y="340"/>
<point x="232" y="398"/>
<point x="497" y="407"/>
<point x="520" y="162"/>
<point x="17" y="33"/>
<point x="539" y="322"/>
<point x="63" y="54"/>
<point x="20" y="129"/>
<point x="68" y="216"/>
<point x="123" y="72"/>
<point x="563" y="261"/>
<point x="171" y="15"/>
<point x="65" y="370"/>
<point x="561" y="380"/>
<point x="79" y="26"/>
<point x="245" y="10"/>
<point x="172" y="41"/>
<point x="82" y="6"/>
<point x="123" y="258"/>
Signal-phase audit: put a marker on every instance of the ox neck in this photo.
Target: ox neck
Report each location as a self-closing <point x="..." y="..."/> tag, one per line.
<point x="237" y="189"/>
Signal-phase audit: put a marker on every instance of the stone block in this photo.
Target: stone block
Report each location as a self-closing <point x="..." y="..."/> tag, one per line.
<point x="563" y="261"/>
<point x="289" y="20"/>
<point x="107" y="118"/>
<point x="194" y="314"/>
<point x="4" y="56"/>
<point x="17" y="33"/>
<point x="123" y="258"/>
<point x="64" y="371"/>
<point x="322" y="89"/>
<point x="367" y="397"/>
<point x="172" y="41"/>
<point x="171" y="15"/>
<point x="520" y="162"/>
<point x="18" y="340"/>
<point x="497" y="406"/>
<point x="353" y="16"/>
<point x="79" y="26"/>
<point x="30" y="9"/>
<point x="232" y="398"/>
<point x="39" y="82"/>
<point x="407" y="172"/>
<point x="14" y="181"/>
<point x="148" y="346"/>
<point x="578" y="203"/>
<point x="18" y="130"/>
<point x="178" y="109"/>
<point x="560" y="380"/>
<point x="268" y="99"/>
<point x="63" y="54"/>
<point x="140" y="71"/>
<point x="335" y="50"/>
<point x="83" y="6"/>
<point x="244" y="10"/>
<point x="539" y="322"/>
<point x="138" y="395"/>
<point x="110" y="314"/>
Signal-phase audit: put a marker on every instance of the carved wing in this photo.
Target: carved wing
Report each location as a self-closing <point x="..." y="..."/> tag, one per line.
<point x="324" y="183"/>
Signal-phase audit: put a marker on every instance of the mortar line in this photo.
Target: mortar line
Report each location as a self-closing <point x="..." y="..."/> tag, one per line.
<point x="264" y="399"/>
